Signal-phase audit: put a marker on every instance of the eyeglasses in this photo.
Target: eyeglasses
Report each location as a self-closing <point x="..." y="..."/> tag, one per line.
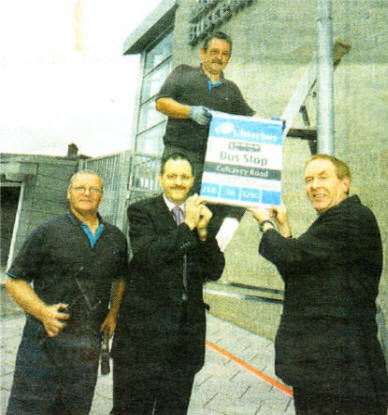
<point x="92" y="190"/>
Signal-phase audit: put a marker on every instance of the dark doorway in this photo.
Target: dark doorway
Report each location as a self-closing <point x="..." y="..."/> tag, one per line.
<point x="9" y="204"/>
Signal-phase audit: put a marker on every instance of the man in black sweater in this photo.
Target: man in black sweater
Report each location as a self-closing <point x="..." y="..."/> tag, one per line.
<point x="190" y="93"/>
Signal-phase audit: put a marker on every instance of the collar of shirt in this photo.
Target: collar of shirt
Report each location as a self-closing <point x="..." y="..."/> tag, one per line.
<point x="170" y="205"/>
<point x="210" y="84"/>
<point x="93" y="238"/>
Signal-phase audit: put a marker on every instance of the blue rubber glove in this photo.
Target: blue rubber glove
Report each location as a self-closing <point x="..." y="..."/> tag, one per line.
<point x="200" y="115"/>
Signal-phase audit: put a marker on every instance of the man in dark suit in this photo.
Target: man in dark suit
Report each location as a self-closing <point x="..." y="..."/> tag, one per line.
<point x="326" y="345"/>
<point x="159" y="343"/>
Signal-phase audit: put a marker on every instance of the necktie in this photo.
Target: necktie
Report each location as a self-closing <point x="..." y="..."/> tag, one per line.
<point x="178" y="214"/>
<point x="179" y="218"/>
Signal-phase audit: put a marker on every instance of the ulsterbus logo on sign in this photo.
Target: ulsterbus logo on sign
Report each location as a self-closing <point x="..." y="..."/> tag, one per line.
<point x="225" y="128"/>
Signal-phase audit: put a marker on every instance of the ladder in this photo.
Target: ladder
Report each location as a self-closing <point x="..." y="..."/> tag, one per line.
<point x="306" y="87"/>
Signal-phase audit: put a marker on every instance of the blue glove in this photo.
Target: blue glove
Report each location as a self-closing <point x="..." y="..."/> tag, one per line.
<point x="200" y="115"/>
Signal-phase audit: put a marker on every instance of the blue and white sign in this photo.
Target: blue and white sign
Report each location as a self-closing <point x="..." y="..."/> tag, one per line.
<point x="243" y="163"/>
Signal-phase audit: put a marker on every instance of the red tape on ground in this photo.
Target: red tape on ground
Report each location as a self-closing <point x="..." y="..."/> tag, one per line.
<point x="251" y="369"/>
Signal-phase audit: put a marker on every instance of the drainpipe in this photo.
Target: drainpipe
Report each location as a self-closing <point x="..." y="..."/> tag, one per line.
<point x="325" y="87"/>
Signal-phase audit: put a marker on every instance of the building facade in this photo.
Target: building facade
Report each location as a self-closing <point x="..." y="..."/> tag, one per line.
<point x="274" y="43"/>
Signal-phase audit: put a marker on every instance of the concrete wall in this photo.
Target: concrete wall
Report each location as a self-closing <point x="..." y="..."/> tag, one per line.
<point x="273" y="43"/>
<point x="44" y="193"/>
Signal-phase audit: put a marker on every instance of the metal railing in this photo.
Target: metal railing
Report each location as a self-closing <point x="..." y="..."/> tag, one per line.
<point x="144" y="176"/>
<point x="127" y="177"/>
<point x="114" y="170"/>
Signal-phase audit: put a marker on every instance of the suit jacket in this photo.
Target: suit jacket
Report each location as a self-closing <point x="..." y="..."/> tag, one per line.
<point x="327" y="338"/>
<point x="152" y="309"/>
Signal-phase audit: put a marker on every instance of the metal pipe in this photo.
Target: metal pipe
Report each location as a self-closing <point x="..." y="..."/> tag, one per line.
<point x="325" y="85"/>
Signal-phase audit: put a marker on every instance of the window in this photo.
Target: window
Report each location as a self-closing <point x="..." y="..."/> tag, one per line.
<point x="151" y="123"/>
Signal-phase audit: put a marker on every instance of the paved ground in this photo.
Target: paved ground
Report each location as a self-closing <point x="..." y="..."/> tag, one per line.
<point x="231" y="383"/>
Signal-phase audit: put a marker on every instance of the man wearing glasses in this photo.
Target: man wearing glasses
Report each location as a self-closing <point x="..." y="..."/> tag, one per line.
<point x="190" y="93"/>
<point x="71" y="261"/>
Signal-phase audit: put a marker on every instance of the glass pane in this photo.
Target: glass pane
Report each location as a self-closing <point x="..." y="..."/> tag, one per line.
<point x="148" y="116"/>
<point x="154" y="80"/>
<point x="151" y="141"/>
<point x="160" y="52"/>
<point x="145" y="174"/>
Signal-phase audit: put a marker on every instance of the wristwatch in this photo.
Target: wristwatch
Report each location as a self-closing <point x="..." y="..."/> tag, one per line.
<point x="261" y="225"/>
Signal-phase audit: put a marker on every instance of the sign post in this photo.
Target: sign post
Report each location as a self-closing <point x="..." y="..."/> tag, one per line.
<point x="243" y="162"/>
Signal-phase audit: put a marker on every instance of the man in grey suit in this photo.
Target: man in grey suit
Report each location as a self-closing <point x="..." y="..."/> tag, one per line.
<point x="326" y="345"/>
